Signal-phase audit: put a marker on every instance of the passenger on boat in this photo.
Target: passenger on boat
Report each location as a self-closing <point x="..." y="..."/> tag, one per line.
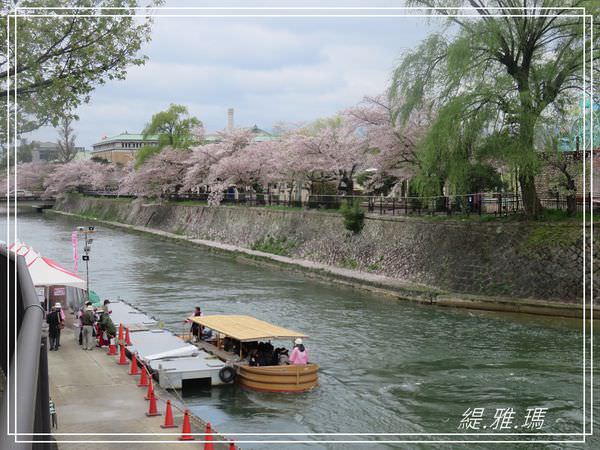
<point x="299" y="353"/>
<point x="281" y="356"/>
<point x="196" y="328"/>
<point x="253" y="358"/>
<point x="265" y="353"/>
<point x="231" y="345"/>
<point x="228" y="344"/>
<point x="206" y="334"/>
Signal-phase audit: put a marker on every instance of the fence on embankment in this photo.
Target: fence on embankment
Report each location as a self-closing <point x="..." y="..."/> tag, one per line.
<point x="485" y="203"/>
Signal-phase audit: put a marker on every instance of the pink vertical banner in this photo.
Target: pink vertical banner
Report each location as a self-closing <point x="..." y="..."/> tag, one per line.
<point x="74" y="240"/>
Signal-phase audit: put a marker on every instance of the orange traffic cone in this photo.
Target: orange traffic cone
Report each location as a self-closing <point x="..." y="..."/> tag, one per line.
<point x="123" y="359"/>
<point x="152" y="411"/>
<point x="112" y="348"/>
<point x="186" y="429"/>
<point x="127" y="340"/>
<point x="150" y="392"/>
<point x="169" y="417"/>
<point x="143" y="379"/>
<point x="133" y="370"/>
<point x="208" y="437"/>
<point x="120" y="333"/>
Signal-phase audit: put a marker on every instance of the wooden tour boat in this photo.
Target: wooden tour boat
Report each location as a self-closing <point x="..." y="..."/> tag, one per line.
<point x="280" y="378"/>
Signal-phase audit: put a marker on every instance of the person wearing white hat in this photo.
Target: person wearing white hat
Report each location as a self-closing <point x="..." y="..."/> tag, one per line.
<point x="299" y="353"/>
<point x="61" y="325"/>
<point x="88" y="320"/>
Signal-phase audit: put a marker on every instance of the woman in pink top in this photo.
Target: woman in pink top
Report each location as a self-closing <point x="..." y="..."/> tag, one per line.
<point x="299" y="353"/>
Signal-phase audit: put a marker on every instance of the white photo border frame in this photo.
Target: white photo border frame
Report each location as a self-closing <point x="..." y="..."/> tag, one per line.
<point x="15" y="13"/>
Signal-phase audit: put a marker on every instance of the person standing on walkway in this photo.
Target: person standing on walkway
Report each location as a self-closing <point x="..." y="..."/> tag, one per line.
<point x="88" y="319"/>
<point x="61" y="325"/>
<point x="79" y="317"/>
<point x="53" y="414"/>
<point x="106" y="326"/>
<point x="53" y="320"/>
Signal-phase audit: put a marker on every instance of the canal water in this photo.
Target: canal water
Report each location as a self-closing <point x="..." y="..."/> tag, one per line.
<point x="387" y="366"/>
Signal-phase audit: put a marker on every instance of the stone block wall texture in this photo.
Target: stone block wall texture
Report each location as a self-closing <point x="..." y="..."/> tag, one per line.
<point x="513" y="259"/>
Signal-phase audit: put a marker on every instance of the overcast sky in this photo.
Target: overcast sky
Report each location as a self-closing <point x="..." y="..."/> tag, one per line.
<point x="268" y="69"/>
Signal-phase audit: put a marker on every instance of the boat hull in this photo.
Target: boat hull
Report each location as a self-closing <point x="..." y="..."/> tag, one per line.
<point x="284" y="378"/>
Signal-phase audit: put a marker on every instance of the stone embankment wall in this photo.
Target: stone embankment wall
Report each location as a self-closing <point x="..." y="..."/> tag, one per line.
<point x="512" y="259"/>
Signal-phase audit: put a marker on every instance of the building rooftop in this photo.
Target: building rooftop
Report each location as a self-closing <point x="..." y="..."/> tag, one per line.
<point x="127" y="137"/>
<point x="49" y="145"/>
<point x="260" y="135"/>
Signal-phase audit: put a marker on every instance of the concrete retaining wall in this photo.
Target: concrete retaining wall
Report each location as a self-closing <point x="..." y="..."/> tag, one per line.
<point x="511" y="259"/>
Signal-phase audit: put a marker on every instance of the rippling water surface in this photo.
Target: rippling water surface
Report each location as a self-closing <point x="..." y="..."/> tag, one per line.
<point x="387" y="366"/>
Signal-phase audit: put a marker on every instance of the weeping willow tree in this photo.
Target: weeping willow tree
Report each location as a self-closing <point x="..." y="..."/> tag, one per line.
<point x="451" y="151"/>
<point x="489" y="80"/>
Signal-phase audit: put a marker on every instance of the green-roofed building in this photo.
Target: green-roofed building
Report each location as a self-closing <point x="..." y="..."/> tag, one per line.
<point x="260" y="135"/>
<point x="122" y="148"/>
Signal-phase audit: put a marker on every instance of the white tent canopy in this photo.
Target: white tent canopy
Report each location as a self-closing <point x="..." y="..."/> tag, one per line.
<point x="44" y="271"/>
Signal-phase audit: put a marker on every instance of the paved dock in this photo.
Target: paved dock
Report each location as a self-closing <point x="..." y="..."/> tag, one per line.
<point x="93" y="394"/>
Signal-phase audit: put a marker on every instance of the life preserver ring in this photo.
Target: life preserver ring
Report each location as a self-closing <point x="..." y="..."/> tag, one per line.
<point x="227" y="374"/>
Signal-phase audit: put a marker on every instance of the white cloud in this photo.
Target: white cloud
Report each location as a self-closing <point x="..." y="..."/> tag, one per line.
<point x="269" y="71"/>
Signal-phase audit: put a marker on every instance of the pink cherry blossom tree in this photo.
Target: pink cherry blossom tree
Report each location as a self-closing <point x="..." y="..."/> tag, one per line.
<point x="29" y="176"/>
<point x="160" y="175"/>
<point x="200" y="173"/>
<point x="107" y="177"/>
<point x="328" y="150"/>
<point x="393" y="145"/>
<point x="82" y="175"/>
<point x="252" y="165"/>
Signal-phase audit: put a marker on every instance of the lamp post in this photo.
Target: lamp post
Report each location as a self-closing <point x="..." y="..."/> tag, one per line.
<point x="86" y="254"/>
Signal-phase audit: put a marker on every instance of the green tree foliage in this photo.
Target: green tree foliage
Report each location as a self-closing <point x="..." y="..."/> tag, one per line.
<point x="174" y="127"/>
<point x="561" y="161"/>
<point x="489" y="80"/>
<point x="58" y="61"/>
<point x="144" y="153"/>
<point x="354" y="216"/>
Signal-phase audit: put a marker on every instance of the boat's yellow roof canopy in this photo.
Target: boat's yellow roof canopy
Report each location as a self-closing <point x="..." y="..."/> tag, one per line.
<point x="245" y="328"/>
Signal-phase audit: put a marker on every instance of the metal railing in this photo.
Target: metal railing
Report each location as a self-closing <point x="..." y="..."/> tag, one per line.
<point x="28" y="198"/>
<point x="485" y="203"/>
<point x="24" y="357"/>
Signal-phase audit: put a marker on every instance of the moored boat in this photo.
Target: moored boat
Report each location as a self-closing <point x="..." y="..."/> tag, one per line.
<point x="243" y="331"/>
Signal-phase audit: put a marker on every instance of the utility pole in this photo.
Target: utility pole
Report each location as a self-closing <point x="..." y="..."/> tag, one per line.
<point x="86" y="254"/>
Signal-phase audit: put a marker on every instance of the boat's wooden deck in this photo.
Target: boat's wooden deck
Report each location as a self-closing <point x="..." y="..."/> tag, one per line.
<point x="213" y="350"/>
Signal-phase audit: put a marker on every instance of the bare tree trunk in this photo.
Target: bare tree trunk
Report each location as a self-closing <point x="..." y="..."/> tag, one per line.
<point x="531" y="201"/>
<point x="571" y="197"/>
<point x="66" y="141"/>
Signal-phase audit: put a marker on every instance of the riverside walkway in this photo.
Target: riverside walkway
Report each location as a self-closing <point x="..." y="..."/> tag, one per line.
<point x="93" y="395"/>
